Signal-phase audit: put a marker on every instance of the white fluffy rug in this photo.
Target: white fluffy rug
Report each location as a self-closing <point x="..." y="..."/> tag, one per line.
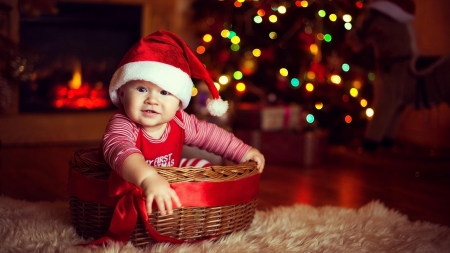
<point x="45" y="227"/>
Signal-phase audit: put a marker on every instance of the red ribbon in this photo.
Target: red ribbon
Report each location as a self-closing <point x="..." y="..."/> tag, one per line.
<point x="129" y="200"/>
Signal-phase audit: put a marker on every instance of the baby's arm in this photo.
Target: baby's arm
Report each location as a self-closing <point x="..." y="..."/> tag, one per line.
<point x="217" y="140"/>
<point x="155" y="187"/>
<point x="122" y="155"/>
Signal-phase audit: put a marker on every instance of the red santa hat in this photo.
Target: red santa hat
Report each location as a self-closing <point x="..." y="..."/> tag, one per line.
<point x="164" y="59"/>
<point x="401" y="10"/>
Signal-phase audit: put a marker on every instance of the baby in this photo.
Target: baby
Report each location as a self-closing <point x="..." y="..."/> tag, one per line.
<point x="151" y="87"/>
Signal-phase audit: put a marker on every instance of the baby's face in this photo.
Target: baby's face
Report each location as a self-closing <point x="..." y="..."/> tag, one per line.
<point x="147" y="104"/>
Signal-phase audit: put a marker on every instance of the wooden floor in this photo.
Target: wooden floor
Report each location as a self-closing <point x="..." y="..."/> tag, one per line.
<point x="416" y="183"/>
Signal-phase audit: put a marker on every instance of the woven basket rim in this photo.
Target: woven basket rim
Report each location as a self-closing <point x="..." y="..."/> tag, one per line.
<point x="90" y="163"/>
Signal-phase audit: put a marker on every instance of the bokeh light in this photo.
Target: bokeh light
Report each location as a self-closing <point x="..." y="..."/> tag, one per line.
<point x="369" y="112"/>
<point x="283" y="72"/>
<point x="309" y="87"/>
<point x="320" y="36"/>
<point x="354" y="92"/>
<point x="273" y="18"/>
<point x="257" y="19"/>
<point x="347" y="18"/>
<point x="194" y="92"/>
<point x="310" y="75"/>
<point x="235" y="47"/>
<point x="336" y="79"/>
<point x="348" y="119"/>
<point x="261" y="12"/>
<point x="256" y="52"/>
<point x="248" y="66"/>
<point x="319" y="105"/>
<point x="235" y="40"/>
<point x="207" y="38"/>
<point x="348" y="26"/>
<point x="200" y="50"/>
<point x="217" y="85"/>
<point x="332" y="17"/>
<point x="238" y="75"/>
<point x="356" y="84"/>
<point x="240" y="87"/>
<point x="310" y="118"/>
<point x="231" y="34"/>
<point x="225" y="33"/>
<point x="223" y="79"/>
<point x="295" y="82"/>
<point x="345" y="67"/>
<point x="314" y="49"/>
<point x="321" y="13"/>
<point x="273" y="35"/>
<point x="363" y="102"/>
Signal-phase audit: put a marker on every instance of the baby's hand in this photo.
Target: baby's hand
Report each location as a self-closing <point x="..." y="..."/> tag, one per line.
<point x="156" y="187"/>
<point x="255" y="155"/>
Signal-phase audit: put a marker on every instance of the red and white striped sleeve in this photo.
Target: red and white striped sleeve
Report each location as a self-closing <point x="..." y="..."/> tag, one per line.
<point x="212" y="138"/>
<point x="119" y="141"/>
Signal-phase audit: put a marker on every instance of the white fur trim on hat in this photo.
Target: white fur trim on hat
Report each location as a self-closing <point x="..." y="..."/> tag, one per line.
<point x="392" y="10"/>
<point x="168" y="77"/>
<point x="217" y="107"/>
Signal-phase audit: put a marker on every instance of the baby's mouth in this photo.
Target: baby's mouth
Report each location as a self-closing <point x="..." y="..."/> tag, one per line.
<point x="149" y="111"/>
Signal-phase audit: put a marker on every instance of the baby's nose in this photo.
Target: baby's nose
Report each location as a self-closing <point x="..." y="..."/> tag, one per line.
<point x="151" y="98"/>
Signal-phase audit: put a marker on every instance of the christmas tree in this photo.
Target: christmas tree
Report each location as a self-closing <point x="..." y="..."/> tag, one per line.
<point x="291" y="52"/>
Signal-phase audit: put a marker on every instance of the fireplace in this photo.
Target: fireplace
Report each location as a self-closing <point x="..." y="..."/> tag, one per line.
<point x="37" y="121"/>
<point x="75" y="54"/>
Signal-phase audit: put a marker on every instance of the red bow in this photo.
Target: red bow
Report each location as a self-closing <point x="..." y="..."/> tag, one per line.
<point x="126" y="213"/>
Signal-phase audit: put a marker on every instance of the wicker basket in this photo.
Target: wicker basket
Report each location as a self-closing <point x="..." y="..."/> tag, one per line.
<point x="187" y="224"/>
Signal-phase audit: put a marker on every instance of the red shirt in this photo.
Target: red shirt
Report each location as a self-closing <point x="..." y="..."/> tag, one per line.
<point x="163" y="154"/>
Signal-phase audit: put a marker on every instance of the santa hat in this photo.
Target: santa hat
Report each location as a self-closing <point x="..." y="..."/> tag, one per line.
<point x="164" y="59"/>
<point x="401" y="10"/>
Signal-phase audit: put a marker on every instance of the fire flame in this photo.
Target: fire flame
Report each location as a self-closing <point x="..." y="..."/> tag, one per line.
<point x="75" y="83"/>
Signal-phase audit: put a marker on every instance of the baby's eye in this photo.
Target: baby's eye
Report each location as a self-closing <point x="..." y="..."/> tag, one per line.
<point x="164" y="92"/>
<point x="142" y="89"/>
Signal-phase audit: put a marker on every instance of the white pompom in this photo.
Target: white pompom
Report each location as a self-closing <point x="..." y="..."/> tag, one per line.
<point x="217" y="107"/>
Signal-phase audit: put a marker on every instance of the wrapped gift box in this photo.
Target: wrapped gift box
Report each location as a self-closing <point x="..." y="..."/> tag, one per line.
<point x="288" y="147"/>
<point x="268" y="118"/>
